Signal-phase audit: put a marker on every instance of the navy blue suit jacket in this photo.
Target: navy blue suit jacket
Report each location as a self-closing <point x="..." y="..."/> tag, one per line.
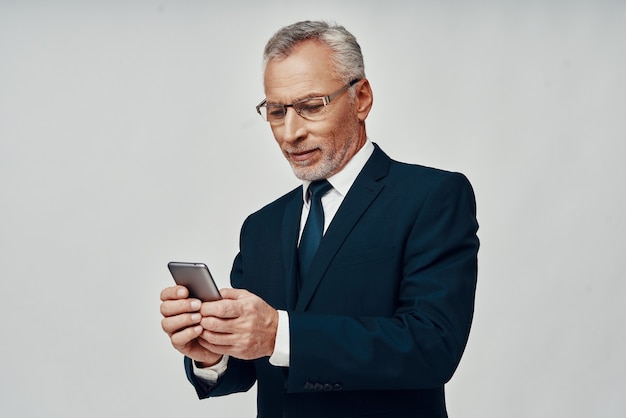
<point x="382" y="321"/>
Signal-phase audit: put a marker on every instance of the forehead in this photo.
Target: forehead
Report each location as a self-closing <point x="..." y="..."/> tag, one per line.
<point x="304" y="72"/>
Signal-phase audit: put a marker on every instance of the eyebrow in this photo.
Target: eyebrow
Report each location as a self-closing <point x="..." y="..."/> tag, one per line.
<point x="306" y="97"/>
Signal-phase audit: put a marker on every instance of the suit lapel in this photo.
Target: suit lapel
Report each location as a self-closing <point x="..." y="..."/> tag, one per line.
<point x="363" y="192"/>
<point x="289" y="239"/>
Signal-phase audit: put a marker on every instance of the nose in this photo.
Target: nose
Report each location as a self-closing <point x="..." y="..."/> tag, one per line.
<point x="294" y="127"/>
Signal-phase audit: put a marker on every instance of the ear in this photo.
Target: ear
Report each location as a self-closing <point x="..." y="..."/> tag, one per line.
<point x="363" y="99"/>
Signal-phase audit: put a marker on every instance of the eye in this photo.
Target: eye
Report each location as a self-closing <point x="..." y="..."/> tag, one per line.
<point x="275" y="112"/>
<point x="310" y="107"/>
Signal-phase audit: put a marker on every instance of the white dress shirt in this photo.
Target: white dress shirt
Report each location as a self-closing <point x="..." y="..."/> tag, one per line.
<point x="341" y="182"/>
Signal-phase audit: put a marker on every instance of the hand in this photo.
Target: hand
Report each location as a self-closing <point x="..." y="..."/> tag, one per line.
<point x="181" y="322"/>
<point x="241" y="325"/>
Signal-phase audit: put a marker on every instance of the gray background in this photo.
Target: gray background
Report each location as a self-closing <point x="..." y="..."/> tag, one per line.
<point x="128" y="138"/>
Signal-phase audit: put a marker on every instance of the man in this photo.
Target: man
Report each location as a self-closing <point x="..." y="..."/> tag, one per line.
<point x="374" y="321"/>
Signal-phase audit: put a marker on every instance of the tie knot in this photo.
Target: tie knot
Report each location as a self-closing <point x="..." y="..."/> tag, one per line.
<point x="319" y="188"/>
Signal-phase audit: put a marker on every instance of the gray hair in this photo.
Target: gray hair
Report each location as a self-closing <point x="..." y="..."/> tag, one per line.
<point x="346" y="52"/>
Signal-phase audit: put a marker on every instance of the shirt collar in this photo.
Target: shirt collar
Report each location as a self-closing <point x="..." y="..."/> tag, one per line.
<point x="342" y="181"/>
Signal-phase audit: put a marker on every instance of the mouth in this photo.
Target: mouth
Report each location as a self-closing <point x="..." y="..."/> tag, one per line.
<point x="301" y="156"/>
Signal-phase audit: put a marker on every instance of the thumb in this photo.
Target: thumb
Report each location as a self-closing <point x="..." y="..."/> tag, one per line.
<point x="230" y="293"/>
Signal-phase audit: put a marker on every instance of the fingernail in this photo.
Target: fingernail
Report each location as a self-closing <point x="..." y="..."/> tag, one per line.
<point x="196" y="317"/>
<point x="180" y="293"/>
<point x="195" y="304"/>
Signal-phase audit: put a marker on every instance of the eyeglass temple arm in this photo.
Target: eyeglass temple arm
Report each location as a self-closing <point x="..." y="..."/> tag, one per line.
<point x="328" y="99"/>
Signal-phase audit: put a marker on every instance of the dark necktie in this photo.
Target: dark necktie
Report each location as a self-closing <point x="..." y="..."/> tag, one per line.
<point x="314" y="227"/>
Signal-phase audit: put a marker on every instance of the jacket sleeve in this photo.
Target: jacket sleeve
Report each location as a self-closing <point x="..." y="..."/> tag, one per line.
<point x="239" y="376"/>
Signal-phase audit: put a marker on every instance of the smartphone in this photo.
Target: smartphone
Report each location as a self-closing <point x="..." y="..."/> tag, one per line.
<point x="197" y="278"/>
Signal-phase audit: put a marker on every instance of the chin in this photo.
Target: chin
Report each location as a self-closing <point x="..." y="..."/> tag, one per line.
<point x="305" y="175"/>
<point x="312" y="173"/>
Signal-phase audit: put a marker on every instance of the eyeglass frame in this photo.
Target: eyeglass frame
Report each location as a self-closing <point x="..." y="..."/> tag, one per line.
<point x="325" y="99"/>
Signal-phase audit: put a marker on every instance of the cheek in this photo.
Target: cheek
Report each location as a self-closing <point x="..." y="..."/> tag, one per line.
<point x="345" y="131"/>
<point x="276" y="132"/>
<point x="331" y="134"/>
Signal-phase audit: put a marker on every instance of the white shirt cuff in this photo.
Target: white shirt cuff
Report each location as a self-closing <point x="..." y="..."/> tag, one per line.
<point x="212" y="373"/>
<point x="280" y="356"/>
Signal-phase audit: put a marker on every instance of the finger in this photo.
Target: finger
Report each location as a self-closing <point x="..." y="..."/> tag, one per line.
<point x="182" y="338"/>
<point x="217" y="349"/>
<point x="224" y="308"/>
<point x="174" y="324"/>
<point x="219" y="343"/>
<point x="239" y="346"/>
<point x="177" y="307"/>
<point x="230" y="293"/>
<point x="217" y="325"/>
<point x="174" y="292"/>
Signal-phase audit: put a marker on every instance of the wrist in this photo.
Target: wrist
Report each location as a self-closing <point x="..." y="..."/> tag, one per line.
<point x="204" y="364"/>
<point x="211" y="373"/>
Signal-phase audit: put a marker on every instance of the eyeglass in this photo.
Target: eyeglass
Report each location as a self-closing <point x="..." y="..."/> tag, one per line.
<point x="312" y="108"/>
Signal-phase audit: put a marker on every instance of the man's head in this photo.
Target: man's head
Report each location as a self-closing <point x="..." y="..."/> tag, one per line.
<point x="316" y="60"/>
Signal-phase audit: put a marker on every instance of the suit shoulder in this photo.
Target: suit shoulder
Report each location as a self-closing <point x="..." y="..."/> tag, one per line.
<point x="424" y="176"/>
<point x="278" y="205"/>
<point x="382" y="167"/>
